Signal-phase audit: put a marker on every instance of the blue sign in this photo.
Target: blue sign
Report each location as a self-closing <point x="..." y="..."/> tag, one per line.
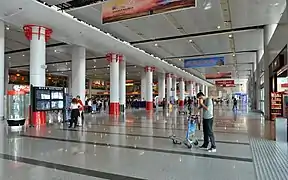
<point x="204" y="62"/>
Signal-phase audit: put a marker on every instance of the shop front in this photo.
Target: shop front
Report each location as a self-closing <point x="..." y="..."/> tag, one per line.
<point x="278" y="86"/>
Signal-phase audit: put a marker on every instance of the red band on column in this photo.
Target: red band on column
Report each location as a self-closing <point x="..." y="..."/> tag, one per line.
<point x="120" y="57"/>
<point x="114" y="108"/>
<point x="149" y="106"/>
<point x="168" y="75"/>
<point x="28" y="30"/>
<point x="38" y="118"/>
<point x="149" y="69"/>
<point x="113" y="56"/>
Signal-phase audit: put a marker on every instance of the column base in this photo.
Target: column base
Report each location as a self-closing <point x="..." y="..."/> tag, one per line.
<point x="149" y="106"/>
<point x="114" y="108"/>
<point x="38" y="118"/>
<point x="181" y="103"/>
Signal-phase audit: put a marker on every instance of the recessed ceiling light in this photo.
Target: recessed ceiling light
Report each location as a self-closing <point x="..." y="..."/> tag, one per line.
<point x="108" y="65"/>
<point x="9" y="57"/>
<point x="233" y="55"/>
<point x="94" y="60"/>
<point x="190" y="41"/>
<point x="55" y="50"/>
<point x="180" y="59"/>
<point x="23" y="55"/>
<point x="218" y="27"/>
<point x="94" y="66"/>
<point x="156" y="44"/>
<point x="230" y="35"/>
<point x="7" y="28"/>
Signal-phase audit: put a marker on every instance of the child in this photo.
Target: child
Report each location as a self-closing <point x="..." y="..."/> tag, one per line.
<point x="75" y="113"/>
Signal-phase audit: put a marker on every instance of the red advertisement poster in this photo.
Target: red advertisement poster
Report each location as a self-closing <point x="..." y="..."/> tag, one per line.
<point x="117" y="10"/>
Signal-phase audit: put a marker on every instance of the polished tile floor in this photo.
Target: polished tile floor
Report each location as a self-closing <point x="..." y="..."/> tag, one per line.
<point x="132" y="147"/>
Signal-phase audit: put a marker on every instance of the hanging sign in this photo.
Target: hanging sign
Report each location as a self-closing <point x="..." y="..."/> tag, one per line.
<point x="220" y="75"/>
<point x="204" y="62"/>
<point x="117" y="10"/>
<point x="225" y="83"/>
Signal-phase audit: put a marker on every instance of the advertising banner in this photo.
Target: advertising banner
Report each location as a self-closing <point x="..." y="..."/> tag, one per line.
<point x="220" y="75"/>
<point x="225" y="83"/>
<point x="118" y="10"/>
<point x="204" y="62"/>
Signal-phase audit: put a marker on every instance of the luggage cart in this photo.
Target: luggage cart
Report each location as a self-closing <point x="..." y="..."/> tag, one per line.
<point x="190" y="139"/>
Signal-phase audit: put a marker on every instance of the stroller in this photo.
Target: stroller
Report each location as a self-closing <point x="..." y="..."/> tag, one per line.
<point x="190" y="139"/>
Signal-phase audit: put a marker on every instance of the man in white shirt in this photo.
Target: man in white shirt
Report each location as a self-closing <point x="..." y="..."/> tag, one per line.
<point x="208" y="115"/>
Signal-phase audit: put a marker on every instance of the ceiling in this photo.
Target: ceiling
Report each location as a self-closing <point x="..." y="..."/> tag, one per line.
<point x="229" y="28"/>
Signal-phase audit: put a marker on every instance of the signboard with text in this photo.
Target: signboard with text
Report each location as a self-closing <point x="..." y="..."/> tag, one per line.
<point x="118" y="10"/>
<point x="204" y="62"/>
<point x="225" y="83"/>
<point x="220" y="75"/>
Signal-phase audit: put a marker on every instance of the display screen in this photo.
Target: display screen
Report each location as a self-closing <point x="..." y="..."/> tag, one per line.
<point x="42" y="94"/>
<point x="43" y="105"/>
<point x="57" y="105"/>
<point x="57" y="94"/>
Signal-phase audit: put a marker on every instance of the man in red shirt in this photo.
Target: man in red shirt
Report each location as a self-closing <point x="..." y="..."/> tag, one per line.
<point x="81" y="109"/>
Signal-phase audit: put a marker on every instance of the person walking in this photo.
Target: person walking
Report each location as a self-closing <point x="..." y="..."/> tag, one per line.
<point x="234" y="104"/>
<point x="206" y="104"/>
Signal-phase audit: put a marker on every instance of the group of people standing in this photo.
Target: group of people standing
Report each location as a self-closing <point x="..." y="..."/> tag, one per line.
<point x="96" y="105"/>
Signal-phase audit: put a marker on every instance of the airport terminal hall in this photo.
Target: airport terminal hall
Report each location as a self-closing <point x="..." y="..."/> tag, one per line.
<point x="143" y="90"/>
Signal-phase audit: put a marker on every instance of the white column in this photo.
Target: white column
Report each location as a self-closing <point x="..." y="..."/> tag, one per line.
<point x="114" y="83"/>
<point x="205" y="90"/>
<point x="174" y="87"/>
<point x="2" y="68"/>
<point x="78" y="72"/>
<point x="193" y="86"/>
<point x="197" y="88"/>
<point x="122" y="84"/>
<point x="169" y="86"/>
<point x="6" y="76"/>
<point x="38" y="56"/>
<point x="259" y="53"/>
<point x="143" y="86"/>
<point x="190" y="88"/>
<point x="149" y="88"/>
<point x="182" y="92"/>
<point x="70" y="85"/>
<point x="90" y="88"/>
<point x="161" y="86"/>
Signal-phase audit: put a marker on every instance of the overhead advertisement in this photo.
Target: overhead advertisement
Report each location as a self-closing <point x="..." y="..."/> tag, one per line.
<point x="204" y="62"/>
<point x="220" y="75"/>
<point x="225" y="83"/>
<point x="118" y="10"/>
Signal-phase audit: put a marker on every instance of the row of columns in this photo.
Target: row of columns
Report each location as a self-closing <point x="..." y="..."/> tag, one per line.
<point x="39" y="35"/>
